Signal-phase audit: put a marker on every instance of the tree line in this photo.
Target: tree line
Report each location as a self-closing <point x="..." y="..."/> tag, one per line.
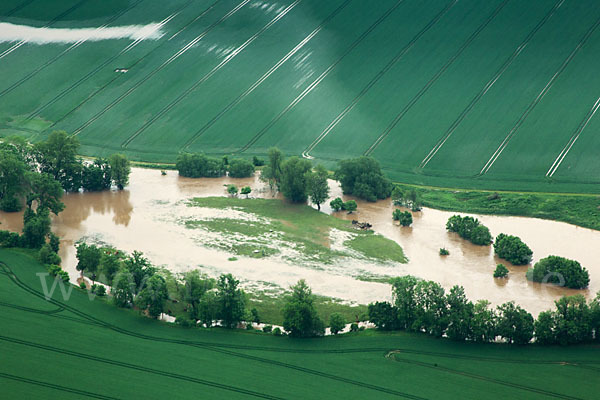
<point x="424" y="306"/>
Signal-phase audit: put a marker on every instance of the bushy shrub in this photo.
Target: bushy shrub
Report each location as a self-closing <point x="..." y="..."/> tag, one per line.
<point x="354" y="327"/>
<point x="444" y="252"/>
<point x="501" y="271"/>
<point x="404" y="217"/>
<point x="267" y="328"/>
<point x="240" y="168"/>
<point x="336" y="204"/>
<point x="512" y="249"/>
<point x="337" y="323"/>
<point x="363" y="178"/>
<point x="469" y="228"/>
<point x="9" y="239"/>
<point x="560" y="271"/>
<point x="47" y="256"/>
<point x="200" y="166"/>
<point x="258" y="162"/>
<point x="277" y="331"/>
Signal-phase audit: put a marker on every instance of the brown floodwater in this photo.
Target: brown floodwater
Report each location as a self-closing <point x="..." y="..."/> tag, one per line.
<point x="148" y="216"/>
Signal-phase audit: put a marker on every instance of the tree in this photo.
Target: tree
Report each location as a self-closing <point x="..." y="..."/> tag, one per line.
<point x="460" y="314"/>
<point x="46" y="255"/>
<point x="88" y="257"/>
<point x="318" y="187"/>
<point x="200" y="166"/>
<point x="110" y="263"/>
<point x="240" y="168"/>
<point x="123" y="288"/>
<point x="54" y="242"/>
<point x="350" y="206"/>
<point x="561" y="271"/>
<point x="272" y="172"/>
<point x="246" y="190"/>
<point x="96" y="176"/>
<point x="483" y="324"/>
<point x="153" y="296"/>
<point x="595" y="316"/>
<point x="404" y="217"/>
<point x="363" y="178"/>
<point x="195" y="286"/>
<point x="120" y="167"/>
<point x="336" y="204"/>
<point x="544" y="328"/>
<point x="232" y="190"/>
<point x="512" y="249"/>
<point x="208" y="309"/>
<point x="13" y="181"/>
<point x="36" y="226"/>
<point x="515" y="324"/>
<point x="45" y="192"/>
<point x="257" y="162"/>
<point x="231" y="300"/>
<point x="254" y="316"/>
<point x="383" y="315"/>
<point x="337" y="323"/>
<point x="299" y="314"/>
<point x="431" y="308"/>
<point x="404" y="299"/>
<point x="572" y="320"/>
<point x="57" y="156"/>
<point x="501" y="271"/>
<point x="294" y="179"/>
<point x="140" y="269"/>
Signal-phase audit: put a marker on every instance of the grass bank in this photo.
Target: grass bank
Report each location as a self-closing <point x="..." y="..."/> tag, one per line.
<point x="582" y="210"/>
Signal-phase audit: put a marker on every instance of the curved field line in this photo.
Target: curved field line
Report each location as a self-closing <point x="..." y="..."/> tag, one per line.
<point x="537" y="100"/>
<point x="93" y="72"/>
<point x="207" y="76"/>
<point x="573" y="139"/>
<point x="434" y="79"/>
<point x="31" y="310"/>
<point x="135" y="367"/>
<point x="161" y="66"/>
<point x="220" y="348"/>
<point x="393" y="356"/>
<point x="488" y="85"/>
<point x="55" y="19"/>
<point x="256" y="84"/>
<point x="56" y="387"/>
<point x="317" y="81"/>
<point x="66" y="51"/>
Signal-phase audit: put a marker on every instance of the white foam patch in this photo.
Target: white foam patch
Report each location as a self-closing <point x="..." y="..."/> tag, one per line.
<point x="18" y="33"/>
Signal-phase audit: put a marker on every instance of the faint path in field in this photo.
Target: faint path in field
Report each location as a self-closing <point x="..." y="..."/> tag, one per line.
<point x="207" y="76"/>
<point x="317" y="81"/>
<point x="156" y="70"/>
<point x="537" y="100"/>
<point x="256" y="84"/>
<point x="487" y="87"/>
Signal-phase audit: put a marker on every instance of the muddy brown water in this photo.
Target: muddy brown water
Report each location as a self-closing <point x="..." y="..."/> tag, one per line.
<point x="148" y="215"/>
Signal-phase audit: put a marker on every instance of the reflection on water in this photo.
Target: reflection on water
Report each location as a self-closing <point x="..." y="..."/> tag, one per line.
<point x="16" y="33"/>
<point x="147" y="217"/>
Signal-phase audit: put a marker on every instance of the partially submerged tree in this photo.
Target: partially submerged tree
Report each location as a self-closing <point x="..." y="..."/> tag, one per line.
<point x="120" y="168"/>
<point x="318" y="187"/>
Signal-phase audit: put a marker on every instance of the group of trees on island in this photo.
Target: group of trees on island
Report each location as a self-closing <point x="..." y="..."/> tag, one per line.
<point x="424" y="306"/>
<point x="471" y="229"/>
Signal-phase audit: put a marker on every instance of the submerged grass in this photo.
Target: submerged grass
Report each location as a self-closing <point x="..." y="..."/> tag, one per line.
<point x="298" y="227"/>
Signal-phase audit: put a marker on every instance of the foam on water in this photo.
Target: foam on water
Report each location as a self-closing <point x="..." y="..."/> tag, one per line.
<point x="17" y="33"/>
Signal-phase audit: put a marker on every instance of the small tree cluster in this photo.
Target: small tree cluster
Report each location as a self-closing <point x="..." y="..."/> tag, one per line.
<point x="338" y="204"/>
<point x="404" y="217"/>
<point x="560" y="271"/>
<point x="200" y="166"/>
<point x="240" y="168"/>
<point x="512" y="249"/>
<point x="363" y="178"/>
<point x="470" y="228"/>
<point x="406" y="198"/>
<point x="501" y="271"/>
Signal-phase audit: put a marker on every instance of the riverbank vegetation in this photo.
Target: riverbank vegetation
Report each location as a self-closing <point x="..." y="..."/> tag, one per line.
<point x="512" y="249"/>
<point x="560" y="271"/>
<point x="424" y="306"/>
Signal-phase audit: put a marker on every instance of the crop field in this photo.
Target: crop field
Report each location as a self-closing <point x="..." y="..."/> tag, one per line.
<point x="499" y="94"/>
<point x="77" y="347"/>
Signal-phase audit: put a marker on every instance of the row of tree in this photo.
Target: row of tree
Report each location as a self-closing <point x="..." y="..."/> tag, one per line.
<point x="424" y="306"/>
<point x="195" y="165"/>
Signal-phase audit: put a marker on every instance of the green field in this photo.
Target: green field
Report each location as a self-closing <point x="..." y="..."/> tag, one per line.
<point x="79" y="348"/>
<point x="500" y="94"/>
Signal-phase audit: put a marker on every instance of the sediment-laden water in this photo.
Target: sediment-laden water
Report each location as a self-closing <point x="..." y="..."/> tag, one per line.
<point x="148" y="215"/>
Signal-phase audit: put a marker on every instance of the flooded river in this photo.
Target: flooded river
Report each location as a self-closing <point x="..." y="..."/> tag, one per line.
<point x="148" y="216"/>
